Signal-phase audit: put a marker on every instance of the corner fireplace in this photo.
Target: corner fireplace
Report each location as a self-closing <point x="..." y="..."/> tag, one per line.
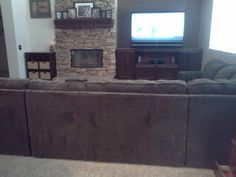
<point x="86" y="58"/>
<point x="100" y="37"/>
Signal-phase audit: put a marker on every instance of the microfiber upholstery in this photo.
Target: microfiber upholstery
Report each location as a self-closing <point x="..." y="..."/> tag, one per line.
<point x="128" y="86"/>
<point x="189" y="75"/>
<point x="14" y="139"/>
<point x="209" y="86"/>
<point x="56" y="85"/>
<point x="226" y="72"/>
<point x="43" y="85"/>
<point x="108" y="127"/>
<point x="212" y="68"/>
<point x="233" y="77"/>
<point x="155" y="87"/>
<point x="19" y="84"/>
<point x="211" y="125"/>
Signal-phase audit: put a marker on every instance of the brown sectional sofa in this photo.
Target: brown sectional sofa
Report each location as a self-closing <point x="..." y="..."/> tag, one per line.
<point x="14" y="135"/>
<point x="140" y="125"/>
<point x="211" y="125"/>
<point x="145" y="122"/>
<point x="212" y="113"/>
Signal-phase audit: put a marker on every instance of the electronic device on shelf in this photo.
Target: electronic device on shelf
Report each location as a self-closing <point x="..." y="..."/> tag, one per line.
<point x="156" y="61"/>
<point x="157" y="29"/>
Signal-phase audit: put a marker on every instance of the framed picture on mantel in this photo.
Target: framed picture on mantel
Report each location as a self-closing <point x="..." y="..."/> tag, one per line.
<point x="83" y="8"/>
<point x="40" y="9"/>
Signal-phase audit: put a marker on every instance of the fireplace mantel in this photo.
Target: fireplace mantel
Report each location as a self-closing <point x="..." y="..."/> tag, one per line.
<point x="83" y="23"/>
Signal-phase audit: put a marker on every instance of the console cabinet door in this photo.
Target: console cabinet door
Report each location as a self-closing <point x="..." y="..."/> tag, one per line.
<point x="190" y="60"/>
<point x="125" y="63"/>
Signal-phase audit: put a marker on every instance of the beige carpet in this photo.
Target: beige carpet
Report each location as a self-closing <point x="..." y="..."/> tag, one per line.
<point x="12" y="166"/>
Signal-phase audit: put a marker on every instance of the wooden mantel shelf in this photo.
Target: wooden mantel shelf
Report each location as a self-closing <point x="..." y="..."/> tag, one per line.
<point x="82" y="23"/>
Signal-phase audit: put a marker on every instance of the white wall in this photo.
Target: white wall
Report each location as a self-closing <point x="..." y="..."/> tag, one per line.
<point x="34" y="35"/>
<point x="204" y="36"/>
<point x="41" y="30"/>
<point x="10" y="38"/>
<point x="192" y="23"/>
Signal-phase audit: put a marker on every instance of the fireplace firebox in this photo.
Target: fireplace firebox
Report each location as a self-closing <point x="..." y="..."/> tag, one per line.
<point x="86" y="58"/>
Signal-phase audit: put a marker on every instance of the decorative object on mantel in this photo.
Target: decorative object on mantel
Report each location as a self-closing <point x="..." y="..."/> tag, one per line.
<point x="84" y="9"/>
<point x="65" y="14"/>
<point x="58" y="15"/>
<point x="109" y="13"/>
<point x="87" y="16"/>
<point x="40" y="9"/>
<point x="72" y="13"/>
<point x="103" y="13"/>
<point x="95" y="12"/>
<point x="52" y="46"/>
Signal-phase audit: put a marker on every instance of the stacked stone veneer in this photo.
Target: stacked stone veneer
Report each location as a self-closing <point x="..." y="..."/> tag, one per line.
<point x="97" y="38"/>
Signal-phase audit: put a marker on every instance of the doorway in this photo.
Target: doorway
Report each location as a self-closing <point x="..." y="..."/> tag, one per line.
<point x="3" y="53"/>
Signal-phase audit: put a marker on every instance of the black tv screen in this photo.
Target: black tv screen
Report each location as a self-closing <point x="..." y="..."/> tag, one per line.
<point x="157" y="29"/>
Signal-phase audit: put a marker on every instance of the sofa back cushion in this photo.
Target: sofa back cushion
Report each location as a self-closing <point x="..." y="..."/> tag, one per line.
<point x="212" y="68"/>
<point x="209" y="86"/>
<point x="226" y="72"/>
<point x="43" y="85"/>
<point x="141" y="86"/>
<point x="67" y="85"/>
<point x="19" y="84"/>
<point x="127" y="86"/>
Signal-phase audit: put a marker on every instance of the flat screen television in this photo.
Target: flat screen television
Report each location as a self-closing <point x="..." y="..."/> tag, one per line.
<point x="157" y="29"/>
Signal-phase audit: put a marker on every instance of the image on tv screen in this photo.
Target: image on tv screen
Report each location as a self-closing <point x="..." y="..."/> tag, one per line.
<point x="157" y="27"/>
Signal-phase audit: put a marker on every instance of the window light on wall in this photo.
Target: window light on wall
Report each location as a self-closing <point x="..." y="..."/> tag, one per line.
<point x="223" y="26"/>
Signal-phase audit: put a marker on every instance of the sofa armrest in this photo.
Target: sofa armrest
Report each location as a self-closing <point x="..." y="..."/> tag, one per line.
<point x="189" y="75"/>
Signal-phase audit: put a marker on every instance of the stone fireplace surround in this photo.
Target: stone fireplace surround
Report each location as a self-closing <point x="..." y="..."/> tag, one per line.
<point x="95" y="38"/>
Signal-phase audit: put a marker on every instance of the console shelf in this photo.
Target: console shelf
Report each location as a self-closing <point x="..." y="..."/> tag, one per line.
<point x="82" y="23"/>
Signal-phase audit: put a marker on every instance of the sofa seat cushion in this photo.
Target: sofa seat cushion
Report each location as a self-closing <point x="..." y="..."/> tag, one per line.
<point x="208" y="86"/>
<point x="212" y="68"/>
<point x="7" y="83"/>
